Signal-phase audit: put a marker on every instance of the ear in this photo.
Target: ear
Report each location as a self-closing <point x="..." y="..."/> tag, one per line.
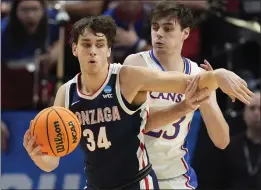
<point x="74" y="50"/>
<point x="109" y="52"/>
<point x="186" y="32"/>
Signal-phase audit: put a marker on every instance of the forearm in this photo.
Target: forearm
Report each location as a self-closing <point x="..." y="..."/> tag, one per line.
<point x="46" y="163"/>
<point x="217" y="127"/>
<point x="160" y="117"/>
<point x="176" y="82"/>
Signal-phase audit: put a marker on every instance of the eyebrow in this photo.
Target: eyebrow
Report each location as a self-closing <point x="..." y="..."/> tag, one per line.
<point x="88" y="40"/>
<point x="167" y="23"/>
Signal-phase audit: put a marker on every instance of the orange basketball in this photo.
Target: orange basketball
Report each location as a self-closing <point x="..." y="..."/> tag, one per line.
<point x="57" y="129"/>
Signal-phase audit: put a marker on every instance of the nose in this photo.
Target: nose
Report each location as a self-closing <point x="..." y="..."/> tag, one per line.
<point x="159" y="33"/>
<point x="93" y="51"/>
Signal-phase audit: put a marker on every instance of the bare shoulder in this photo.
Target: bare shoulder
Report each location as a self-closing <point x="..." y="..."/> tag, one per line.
<point x="135" y="60"/>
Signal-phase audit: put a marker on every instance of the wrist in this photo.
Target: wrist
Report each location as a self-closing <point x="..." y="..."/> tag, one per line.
<point x="216" y="74"/>
<point x="185" y="107"/>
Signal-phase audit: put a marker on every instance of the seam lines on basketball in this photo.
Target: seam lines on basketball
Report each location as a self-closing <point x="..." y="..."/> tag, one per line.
<point x="65" y="130"/>
<point x="48" y="132"/>
<point x="74" y="117"/>
<point x="37" y="120"/>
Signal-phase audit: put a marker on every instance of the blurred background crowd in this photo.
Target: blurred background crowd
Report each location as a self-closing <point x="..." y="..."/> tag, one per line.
<point x="35" y="41"/>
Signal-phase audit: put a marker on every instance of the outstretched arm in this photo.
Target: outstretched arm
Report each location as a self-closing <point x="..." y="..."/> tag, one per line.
<point x="144" y="79"/>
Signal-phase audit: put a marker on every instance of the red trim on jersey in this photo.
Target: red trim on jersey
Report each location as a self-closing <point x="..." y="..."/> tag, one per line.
<point x="187" y="182"/>
<point x="147" y="183"/>
<point x="96" y="90"/>
<point x="189" y="125"/>
<point x="147" y="113"/>
<point x="184" y="163"/>
<point x="143" y="165"/>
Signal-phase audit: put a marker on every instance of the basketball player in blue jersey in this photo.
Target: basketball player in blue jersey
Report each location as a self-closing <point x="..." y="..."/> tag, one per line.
<point x="110" y="101"/>
<point x="170" y="26"/>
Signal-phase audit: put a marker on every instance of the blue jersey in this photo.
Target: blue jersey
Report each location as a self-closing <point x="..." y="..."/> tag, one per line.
<point x="112" y="133"/>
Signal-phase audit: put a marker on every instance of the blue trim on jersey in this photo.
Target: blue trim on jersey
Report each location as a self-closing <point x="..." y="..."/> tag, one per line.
<point x="156" y="60"/>
<point x="187" y="64"/>
<point x="193" y="182"/>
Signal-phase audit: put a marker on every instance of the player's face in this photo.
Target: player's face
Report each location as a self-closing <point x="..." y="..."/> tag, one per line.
<point x="252" y="113"/>
<point x="92" y="52"/>
<point x="167" y="35"/>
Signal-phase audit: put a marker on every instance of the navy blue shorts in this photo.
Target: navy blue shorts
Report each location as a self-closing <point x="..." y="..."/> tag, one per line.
<point x="147" y="183"/>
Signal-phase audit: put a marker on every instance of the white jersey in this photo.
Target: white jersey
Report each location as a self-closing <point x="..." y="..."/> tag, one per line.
<point x="166" y="146"/>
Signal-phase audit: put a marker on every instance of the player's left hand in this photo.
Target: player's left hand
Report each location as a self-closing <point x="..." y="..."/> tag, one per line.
<point x="193" y="96"/>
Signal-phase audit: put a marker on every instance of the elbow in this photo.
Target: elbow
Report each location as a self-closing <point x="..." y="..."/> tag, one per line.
<point x="223" y="144"/>
<point x="49" y="169"/>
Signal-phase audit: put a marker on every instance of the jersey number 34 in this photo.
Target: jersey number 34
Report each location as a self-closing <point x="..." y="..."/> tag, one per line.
<point x="102" y="141"/>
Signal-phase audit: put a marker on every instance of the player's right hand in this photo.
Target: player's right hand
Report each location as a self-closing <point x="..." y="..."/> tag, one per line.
<point x="193" y="96"/>
<point x="30" y="146"/>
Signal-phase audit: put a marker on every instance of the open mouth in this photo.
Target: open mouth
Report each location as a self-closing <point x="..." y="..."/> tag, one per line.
<point x="92" y="62"/>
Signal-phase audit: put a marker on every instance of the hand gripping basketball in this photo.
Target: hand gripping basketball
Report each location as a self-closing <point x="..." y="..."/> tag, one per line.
<point x="57" y="129"/>
<point x="30" y="146"/>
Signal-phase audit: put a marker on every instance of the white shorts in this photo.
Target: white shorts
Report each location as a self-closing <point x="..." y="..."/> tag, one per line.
<point x="180" y="182"/>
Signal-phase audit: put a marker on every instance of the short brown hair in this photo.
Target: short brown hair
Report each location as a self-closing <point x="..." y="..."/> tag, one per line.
<point x="98" y="24"/>
<point x="167" y="8"/>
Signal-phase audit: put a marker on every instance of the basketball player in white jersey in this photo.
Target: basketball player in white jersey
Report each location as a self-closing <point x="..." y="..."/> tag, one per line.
<point x="170" y="26"/>
<point x="117" y="111"/>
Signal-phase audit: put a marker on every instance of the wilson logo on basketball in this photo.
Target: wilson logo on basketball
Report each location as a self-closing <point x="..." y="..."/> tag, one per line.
<point x="59" y="138"/>
<point x="74" y="133"/>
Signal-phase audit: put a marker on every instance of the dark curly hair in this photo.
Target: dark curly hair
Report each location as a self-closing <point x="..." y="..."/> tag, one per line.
<point x="167" y="8"/>
<point x="98" y="24"/>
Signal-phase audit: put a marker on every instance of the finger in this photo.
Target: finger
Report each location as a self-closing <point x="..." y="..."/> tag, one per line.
<point x="243" y="82"/>
<point x="233" y="99"/>
<point x="200" y="95"/>
<point x="36" y="151"/>
<point x="203" y="66"/>
<point x="242" y="96"/>
<point x="201" y="101"/>
<point x="189" y="84"/>
<point x="26" y="136"/>
<point x="244" y="91"/>
<point x="192" y="87"/>
<point x="29" y="146"/>
<point x="249" y="92"/>
<point x="208" y="64"/>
